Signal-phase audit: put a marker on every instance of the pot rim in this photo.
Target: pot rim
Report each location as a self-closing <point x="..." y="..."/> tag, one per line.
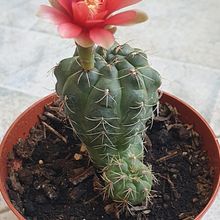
<point x="49" y="99"/>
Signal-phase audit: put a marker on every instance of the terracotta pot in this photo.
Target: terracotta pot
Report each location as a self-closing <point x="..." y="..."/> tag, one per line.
<point x="20" y="129"/>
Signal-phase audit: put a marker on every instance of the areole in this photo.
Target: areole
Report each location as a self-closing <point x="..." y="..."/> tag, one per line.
<point x="20" y="129"/>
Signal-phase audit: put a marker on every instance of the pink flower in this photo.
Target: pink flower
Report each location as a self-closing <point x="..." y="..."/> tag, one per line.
<point x="90" y="21"/>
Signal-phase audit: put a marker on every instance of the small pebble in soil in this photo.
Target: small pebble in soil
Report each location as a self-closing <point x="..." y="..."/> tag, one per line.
<point x="41" y="162"/>
<point x="77" y="156"/>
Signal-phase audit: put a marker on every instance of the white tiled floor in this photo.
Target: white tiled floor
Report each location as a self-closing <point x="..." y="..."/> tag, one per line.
<point x="182" y="39"/>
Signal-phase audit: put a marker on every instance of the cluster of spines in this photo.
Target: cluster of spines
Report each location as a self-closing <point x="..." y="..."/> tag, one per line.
<point x="128" y="181"/>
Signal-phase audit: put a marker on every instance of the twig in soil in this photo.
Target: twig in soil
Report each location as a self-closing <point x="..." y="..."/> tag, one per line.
<point x="139" y="208"/>
<point x="44" y="132"/>
<point x="58" y="110"/>
<point x="16" y="185"/>
<point x="77" y="156"/>
<point x="168" y="156"/>
<point x="82" y="176"/>
<point x="113" y="209"/>
<point x="147" y="142"/>
<point x="176" y="194"/>
<point x="186" y="216"/>
<point x="195" y="139"/>
<point x="68" y="156"/>
<point x="55" y="132"/>
<point x="162" y="118"/>
<point x="92" y="199"/>
<point x="97" y="186"/>
<point x="52" y="117"/>
<point x="52" y="108"/>
<point x="189" y="218"/>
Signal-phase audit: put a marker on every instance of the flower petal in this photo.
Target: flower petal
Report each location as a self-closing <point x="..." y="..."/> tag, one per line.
<point x="69" y="30"/>
<point x="127" y="18"/>
<point x="101" y="15"/>
<point x="53" y="15"/>
<point x="140" y="17"/>
<point x="102" y="37"/>
<point x="114" y="5"/>
<point x="80" y="11"/>
<point x="66" y="4"/>
<point x="95" y="23"/>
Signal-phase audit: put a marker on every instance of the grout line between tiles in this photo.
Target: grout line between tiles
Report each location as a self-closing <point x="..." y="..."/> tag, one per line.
<point x="150" y="57"/>
<point x="18" y="90"/>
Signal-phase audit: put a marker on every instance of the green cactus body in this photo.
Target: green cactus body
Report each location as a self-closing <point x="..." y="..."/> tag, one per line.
<point x="108" y="107"/>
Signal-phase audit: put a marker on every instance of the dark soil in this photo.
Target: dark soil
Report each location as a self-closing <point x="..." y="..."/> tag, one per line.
<point x="51" y="177"/>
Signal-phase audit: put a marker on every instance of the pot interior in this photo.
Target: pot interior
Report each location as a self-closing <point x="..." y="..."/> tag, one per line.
<point x="20" y="129"/>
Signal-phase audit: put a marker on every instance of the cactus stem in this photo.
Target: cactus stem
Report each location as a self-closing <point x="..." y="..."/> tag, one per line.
<point x="98" y="118"/>
<point x="138" y="79"/>
<point x="136" y="75"/>
<point x="140" y="105"/>
<point x="146" y="190"/>
<point x="133" y="54"/>
<point x="108" y="156"/>
<point x="114" y="116"/>
<point x="73" y="128"/>
<point x="144" y="75"/>
<point x="66" y="105"/>
<point x="110" y="133"/>
<point x="149" y="198"/>
<point x="142" y="108"/>
<point x="119" y="164"/>
<point x="132" y="124"/>
<point x="109" y="66"/>
<point x="86" y="56"/>
<point x="79" y="78"/>
<point x="105" y="96"/>
<point x="121" y="77"/>
<point x="129" y="139"/>
<point x="80" y="71"/>
<point x="78" y="64"/>
<point x="137" y="179"/>
<point x="131" y="131"/>
<point x="109" y="139"/>
<point x="105" y="146"/>
<point x="129" y="192"/>
<point x="103" y="135"/>
<point x="111" y="189"/>
<point x="118" y="48"/>
<point x="105" y="178"/>
<point x="101" y="60"/>
<point x="100" y="123"/>
<point x="117" y="174"/>
<point x="114" y="61"/>
<point x="87" y="77"/>
<point x="73" y="122"/>
<point x="93" y="71"/>
<point x="103" y="122"/>
<point x="123" y="178"/>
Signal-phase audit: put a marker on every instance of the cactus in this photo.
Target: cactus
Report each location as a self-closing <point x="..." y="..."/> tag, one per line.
<point x="108" y="104"/>
<point x="108" y="94"/>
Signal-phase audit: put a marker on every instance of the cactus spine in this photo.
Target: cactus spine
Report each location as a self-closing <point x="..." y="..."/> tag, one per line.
<point x="108" y="104"/>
